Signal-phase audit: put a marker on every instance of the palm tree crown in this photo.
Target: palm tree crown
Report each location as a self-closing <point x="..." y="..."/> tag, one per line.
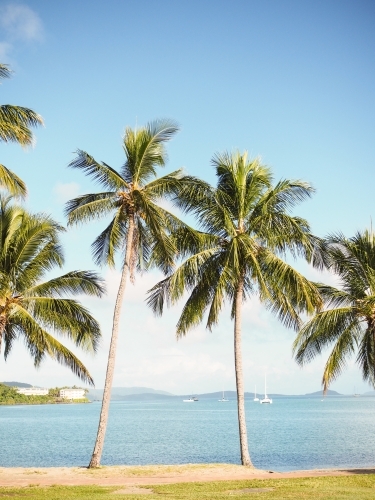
<point x="31" y="307"/>
<point x="348" y="322"/>
<point x="245" y="228"/>
<point x="139" y="227"/>
<point x="131" y="197"/>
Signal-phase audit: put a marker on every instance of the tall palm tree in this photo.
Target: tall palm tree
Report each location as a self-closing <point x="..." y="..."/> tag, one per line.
<point x="246" y="229"/>
<point x="32" y="307"/>
<point x="348" y="321"/>
<point x="15" y="126"/>
<point x="139" y="227"/>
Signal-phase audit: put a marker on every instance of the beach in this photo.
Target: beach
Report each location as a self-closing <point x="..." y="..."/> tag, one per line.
<point x="130" y="476"/>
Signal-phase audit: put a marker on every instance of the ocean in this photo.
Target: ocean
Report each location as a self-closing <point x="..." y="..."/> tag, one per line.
<point x="290" y="434"/>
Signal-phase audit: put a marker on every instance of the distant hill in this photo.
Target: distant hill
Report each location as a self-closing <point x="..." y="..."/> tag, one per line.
<point x="121" y="393"/>
<point x="16" y="384"/>
<point x="132" y="394"/>
<point x="320" y="393"/>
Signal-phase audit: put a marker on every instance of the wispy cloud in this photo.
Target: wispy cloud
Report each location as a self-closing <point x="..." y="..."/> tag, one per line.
<point x="65" y="192"/>
<point x="18" y="24"/>
<point x="21" y="23"/>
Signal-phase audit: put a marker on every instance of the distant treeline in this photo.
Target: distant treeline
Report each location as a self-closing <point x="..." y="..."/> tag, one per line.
<point x="10" y="396"/>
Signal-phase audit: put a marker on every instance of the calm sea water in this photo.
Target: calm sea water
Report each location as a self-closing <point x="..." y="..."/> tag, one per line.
<point x="287" y="435"/>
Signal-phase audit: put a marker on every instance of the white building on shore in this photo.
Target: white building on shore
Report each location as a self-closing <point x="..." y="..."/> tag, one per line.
<point x="72" y="393"/>
<point x="32" y="391"/>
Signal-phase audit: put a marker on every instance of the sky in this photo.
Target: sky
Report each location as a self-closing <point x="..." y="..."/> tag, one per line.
<point x="291" y="82"/>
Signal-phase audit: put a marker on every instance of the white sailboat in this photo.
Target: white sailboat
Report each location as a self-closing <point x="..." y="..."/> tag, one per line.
<point x="255" y="394"/>
<point x="223" y="399"/>
<point x="266" y="399"/>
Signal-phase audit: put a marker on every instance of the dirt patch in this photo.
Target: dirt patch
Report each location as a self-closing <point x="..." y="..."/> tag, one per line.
<point x="129" y="476"/>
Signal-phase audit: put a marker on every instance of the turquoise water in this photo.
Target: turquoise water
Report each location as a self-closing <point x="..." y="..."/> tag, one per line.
<point x="287" y="435"/>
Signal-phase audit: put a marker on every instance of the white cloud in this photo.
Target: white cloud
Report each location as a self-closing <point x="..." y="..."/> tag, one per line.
<point x="21" y="23"/>
<point x="66" y="191"/>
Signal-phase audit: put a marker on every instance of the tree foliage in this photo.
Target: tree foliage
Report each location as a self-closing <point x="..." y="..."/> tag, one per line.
<point x="35" y="309"/>
<point x="347" y="324"/>
<point x="245" y="230"/>
<point x="15" y="126"/>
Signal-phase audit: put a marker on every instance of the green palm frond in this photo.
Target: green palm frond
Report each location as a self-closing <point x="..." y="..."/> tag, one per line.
<point x="145" y="149"/>
<point x="366" y="356"/>
<point x="90" y="207"/>
<point x="15" y="123"/>
<point x="165" y="186"/>
<point x="65" y="317"/>
<point x="32" y="308"/>
<point x="290" y="293"/>
<point x="322" y="330"/>
<point x="349" y="322"/>
<point x="12" y="183"/>
<point x="100" y="172"/>
<point x="343" y="349"/>
<point x="111" y="240"/>
<point x="40" y="344"/>
<point x="72" y="283"/>
<point x="246" y="225"/>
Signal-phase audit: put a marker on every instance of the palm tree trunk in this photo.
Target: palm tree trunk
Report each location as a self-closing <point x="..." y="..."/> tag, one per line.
<point x="245" y="456"/>
<point x="99" y="444"/>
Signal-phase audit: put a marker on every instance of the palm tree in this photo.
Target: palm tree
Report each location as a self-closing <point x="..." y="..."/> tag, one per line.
<point x="348" y="321"/>
<point x="15" y="123"/>
<point x="245" y="229"/>
<point x="139" y="226"/>
<point x="31" y="307"/>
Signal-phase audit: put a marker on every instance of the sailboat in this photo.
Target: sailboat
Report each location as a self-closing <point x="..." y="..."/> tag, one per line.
<point x="266" y="399"/>
<point x="223" y="400"/>
<point x="255" y="394"/>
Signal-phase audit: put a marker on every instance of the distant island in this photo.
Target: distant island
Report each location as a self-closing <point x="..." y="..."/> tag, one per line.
<point x="19" y="393"/>
<point x="10" y="395"/>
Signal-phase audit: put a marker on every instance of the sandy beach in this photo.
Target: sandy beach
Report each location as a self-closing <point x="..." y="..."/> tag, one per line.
<point x="129" y="476"/>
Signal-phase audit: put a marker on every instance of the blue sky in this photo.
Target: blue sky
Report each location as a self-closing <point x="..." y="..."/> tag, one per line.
<point x="292" y="82"/>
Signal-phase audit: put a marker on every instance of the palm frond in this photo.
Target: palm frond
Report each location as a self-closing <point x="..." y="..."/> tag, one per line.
<point x="110" y="240"/>
<point x="100" y="172"/>
<point x="90" y="207"/>
<point x="144" y="149"/>
<point x="12" y="183"/>
<point x="72" y="283"/>
<point x="322" y="330"/>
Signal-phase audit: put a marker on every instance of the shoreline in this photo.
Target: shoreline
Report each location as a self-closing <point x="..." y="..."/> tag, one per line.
<point x="155" y="474"/>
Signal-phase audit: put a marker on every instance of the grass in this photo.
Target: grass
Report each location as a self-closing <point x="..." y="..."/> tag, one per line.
<point x="358" y="487"/>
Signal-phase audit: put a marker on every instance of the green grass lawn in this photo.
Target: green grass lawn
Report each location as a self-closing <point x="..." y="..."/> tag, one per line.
<point x="358" y="487"/>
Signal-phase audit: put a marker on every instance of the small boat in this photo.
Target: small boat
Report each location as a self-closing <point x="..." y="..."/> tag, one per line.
<point x="255" y="394"/>
<point x="192" y="399"/>
<point x="266" y="399"/>
<point x="223" y="399"/>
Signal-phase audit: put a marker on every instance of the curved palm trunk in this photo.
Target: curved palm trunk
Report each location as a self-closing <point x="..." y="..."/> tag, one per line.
<point x="99" y="444"/>
<point x="245" y="456"/>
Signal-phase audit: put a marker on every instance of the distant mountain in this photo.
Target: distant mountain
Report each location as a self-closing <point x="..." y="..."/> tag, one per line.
<point x="121" y="393"/>
<point x="146" y="394"/>
<point x="320" y="393"/>
<point x="16" y="384"/>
